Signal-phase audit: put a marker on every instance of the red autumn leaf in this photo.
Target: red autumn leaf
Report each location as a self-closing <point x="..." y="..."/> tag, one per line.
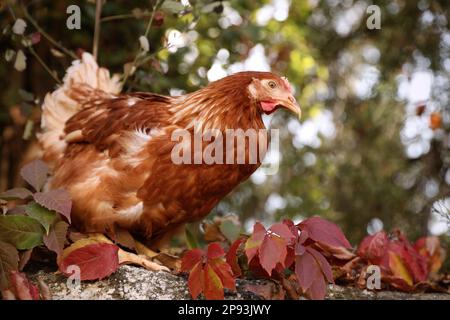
<point x="323" y="263"/>
<point x="213" y="287"/>
<point x="256" y="269"/>
<point x="215" y="251"/>
<point x="312" y="271"/>
<point x="272" y="251"/>
<point x="223" y="270"/>
<point x="324" y="231"/>
<point x="254" y="241"/>
<point x="305" y="268"/>
<point x="196" y="280"/>
<point x="290" y="257"/>
<point x="318" y="288"/>
<point x="232" y="257"/>
<point x="304" y="235"/>
<point x="96" y="261"/>
<point x="373" y="247"/>
<point x="22" y="288"/>
<point x="58" y="200"/>
<point x="208" y="272"/>
<point x="430" y="248"/>
<point x="283" y="230"/>
<point x="415" y="262"/>
<point x="190" y="259"/>
<point x="292" y="227"/>
<point x="270" y="245"/>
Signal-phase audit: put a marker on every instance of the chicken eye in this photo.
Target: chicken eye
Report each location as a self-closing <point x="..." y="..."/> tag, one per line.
<point x="272" y="84"/>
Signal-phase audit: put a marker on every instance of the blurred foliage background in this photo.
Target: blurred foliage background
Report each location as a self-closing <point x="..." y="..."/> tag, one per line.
<point x="372" y="150"/>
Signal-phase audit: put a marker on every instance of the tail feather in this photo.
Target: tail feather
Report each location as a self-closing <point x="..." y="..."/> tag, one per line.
<point x="83" y="80"/>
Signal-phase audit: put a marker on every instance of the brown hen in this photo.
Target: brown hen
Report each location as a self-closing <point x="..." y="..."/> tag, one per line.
<point x="114" y="152"/>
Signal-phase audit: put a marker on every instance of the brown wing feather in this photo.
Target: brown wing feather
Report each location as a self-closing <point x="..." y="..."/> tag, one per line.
<point x="101" y="121"/>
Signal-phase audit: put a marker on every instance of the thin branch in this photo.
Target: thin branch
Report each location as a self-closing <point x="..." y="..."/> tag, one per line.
<point x="98" y="13"/>
<point x="42" y="63"/>
<point x="125" y="16"/>
<point x="140" y="52"/>
<point x="12" y="12"/>
<point x="149" y="57"/>
<point x="33" y="52"/>
<point x="150" y="21"/>
<point x="46" y="35"/>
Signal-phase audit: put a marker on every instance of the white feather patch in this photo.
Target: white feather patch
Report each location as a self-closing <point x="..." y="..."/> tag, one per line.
<point x="133" y="212"/>
<point x="132" y="101"/>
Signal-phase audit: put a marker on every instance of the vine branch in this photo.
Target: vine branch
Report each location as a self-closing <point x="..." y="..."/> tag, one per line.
<point x="46" y="35"/>
<point x="42" y="63"/>
<point x="125" y="16"/>
<point x="140" y="52"/>
<point x="98" y="13"/>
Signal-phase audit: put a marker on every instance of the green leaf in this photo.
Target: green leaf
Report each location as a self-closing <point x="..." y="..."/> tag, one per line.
<point x="41" y="214"/>
<point x="211" y="6"/>
<point x="230" y="230"/>
<point x="9" y="261"/>
<point x="15" y="194"/>
<point x="172" y="6"/>
<point x="21" y="231"/>
<point x="190" y="239"/>
<point x="35" y="173"/>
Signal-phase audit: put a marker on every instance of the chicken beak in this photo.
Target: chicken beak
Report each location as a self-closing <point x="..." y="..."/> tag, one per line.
<point x="292" y="105"/>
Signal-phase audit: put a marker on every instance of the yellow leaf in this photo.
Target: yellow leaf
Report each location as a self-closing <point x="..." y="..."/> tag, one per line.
<point x="144" y="250"/>
<point x="398" y="268"/>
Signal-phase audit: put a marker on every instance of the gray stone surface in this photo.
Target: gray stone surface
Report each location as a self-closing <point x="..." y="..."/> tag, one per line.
<point x="139" y="284"/>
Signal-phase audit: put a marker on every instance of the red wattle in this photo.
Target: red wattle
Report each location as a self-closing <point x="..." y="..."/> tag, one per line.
<point x="268" y="106"/>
